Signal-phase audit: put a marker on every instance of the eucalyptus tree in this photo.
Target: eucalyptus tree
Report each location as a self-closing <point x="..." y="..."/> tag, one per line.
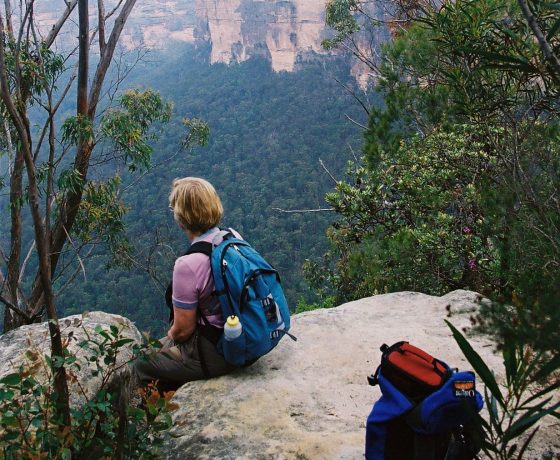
<point x="50" y="153"/>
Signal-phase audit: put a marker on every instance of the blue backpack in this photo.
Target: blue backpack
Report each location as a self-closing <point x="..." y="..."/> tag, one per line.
<point x="248" y="287"/>
<point x="436" y="426"/>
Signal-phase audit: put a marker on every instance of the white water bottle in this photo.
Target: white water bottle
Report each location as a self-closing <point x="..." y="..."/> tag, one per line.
<point x="232" y="328"/>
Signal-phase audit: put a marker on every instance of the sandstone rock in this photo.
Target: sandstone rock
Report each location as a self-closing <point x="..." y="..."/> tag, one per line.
<point x="35" y="339"/>
<point x="309" y="399"/>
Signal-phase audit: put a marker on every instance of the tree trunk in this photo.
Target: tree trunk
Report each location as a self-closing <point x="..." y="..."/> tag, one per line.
<point x="11" y="320"/>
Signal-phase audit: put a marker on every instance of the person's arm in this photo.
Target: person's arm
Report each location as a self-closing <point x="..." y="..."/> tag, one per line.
<point x="185" y="301"/>
<point x="184" y="324"/>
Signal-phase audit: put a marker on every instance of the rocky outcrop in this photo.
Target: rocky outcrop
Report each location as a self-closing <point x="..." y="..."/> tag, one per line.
<point x="28" y="346"/>
<point x="309" y="399"/>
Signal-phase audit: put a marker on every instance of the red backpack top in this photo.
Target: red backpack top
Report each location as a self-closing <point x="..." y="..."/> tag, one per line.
<point x="411" y="370"/>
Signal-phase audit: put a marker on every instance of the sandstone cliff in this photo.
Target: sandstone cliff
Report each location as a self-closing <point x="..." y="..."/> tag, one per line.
<point x="282" y="31"/>
<point x="286" y="32"/>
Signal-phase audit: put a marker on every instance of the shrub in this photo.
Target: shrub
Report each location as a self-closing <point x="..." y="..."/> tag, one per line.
<point x="107" y="425"/>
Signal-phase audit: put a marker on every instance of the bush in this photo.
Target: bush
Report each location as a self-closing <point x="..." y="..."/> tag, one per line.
<point x="516" y="408"/>
<point x="107" y="425"/>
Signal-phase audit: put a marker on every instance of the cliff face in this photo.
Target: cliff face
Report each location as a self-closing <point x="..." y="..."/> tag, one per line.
<point x="283" y="31"/>
<point x="286" y="32"/>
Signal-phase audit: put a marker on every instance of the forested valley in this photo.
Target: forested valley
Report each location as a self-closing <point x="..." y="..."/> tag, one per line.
<point x="268" y="133"/>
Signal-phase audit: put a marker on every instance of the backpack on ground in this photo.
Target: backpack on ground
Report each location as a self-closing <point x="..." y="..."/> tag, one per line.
<point x="426" y="410"/>
<point x="248" y="287"/>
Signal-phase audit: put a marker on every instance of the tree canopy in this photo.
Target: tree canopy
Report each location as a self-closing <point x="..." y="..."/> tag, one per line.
<point x="459" y="184"/>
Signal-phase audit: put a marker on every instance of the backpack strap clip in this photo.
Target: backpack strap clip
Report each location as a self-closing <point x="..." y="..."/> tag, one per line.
<point x="373" y="379"/>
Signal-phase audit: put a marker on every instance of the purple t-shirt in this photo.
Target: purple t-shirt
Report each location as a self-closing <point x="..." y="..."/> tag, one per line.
<point x="193" y="283"/>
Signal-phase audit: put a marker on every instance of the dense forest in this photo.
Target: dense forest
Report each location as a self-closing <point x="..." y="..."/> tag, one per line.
<point x="268" y="132"/>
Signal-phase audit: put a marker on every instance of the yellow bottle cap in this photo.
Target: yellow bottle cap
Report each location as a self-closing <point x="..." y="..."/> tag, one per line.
<point x="232" y="321"/>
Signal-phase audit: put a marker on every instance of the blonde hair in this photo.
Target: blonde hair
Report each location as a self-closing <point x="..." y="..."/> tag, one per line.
<point x="195" y="204"/>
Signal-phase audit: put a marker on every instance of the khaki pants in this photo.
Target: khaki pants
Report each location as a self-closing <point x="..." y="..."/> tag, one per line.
<point x="173" y="366"/>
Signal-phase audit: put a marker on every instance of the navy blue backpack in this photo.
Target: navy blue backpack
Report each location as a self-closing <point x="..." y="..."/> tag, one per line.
<point x="435" y="426"/>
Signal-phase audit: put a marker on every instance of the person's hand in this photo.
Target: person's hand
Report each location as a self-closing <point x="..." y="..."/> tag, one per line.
<point x="168" y="342"/>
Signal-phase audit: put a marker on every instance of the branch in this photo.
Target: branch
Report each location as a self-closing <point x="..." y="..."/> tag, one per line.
<point x="72" y="277"/>
<point x="17" y="66"/>
<point x="9" y="145"/>
<point x="327" y="171"/>
<point x="52" y="111"/>
<point x="107" y="56"/>
<point x="83" y="64"/>
<point x="9" y="27"/>
<point x="56" y="28"/>
<point x="15" y="309"/>
<point x="101" y="25"/>
<point x="543" y="43"/>
<point x="114" y="10"/>
<point x="77" y="254"/>
<point x="353" y="94"/>
<point x="152" y="168"/>
<point x="356" y="161"/>
<point x="26" y="261"/>
<point x="291" y="211"/>
<point x="355" y="122"/>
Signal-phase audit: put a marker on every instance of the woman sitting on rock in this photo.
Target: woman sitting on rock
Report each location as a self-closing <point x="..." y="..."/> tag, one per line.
<point x="189" y="351"/>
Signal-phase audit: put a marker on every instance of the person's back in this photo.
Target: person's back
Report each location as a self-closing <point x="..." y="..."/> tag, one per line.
<point x="189" y="351"/>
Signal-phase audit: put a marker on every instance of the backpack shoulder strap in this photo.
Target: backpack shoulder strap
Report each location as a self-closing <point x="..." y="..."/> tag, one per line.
<point x="202" y="247"/>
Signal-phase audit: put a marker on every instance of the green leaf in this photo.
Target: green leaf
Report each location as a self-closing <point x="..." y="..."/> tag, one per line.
<point x="477" y="363"/>
<point x="493" y="60"/>
<point x="57" y="362"/>
<point x="121" y="342"/>
<point x="6" y="395"/>
<point x="553" y="31"/>
<point x="11" y="436"/>
<point x="136" y="413"/>
<point x="510" y="361"/>
<point x="525" y="375"/>
<point x="511" y="451"/>
<point x="493" y="413"/>
<point x="541" y="393"/>
<point x="11" y="379"/>
<point x="528" y="420"/>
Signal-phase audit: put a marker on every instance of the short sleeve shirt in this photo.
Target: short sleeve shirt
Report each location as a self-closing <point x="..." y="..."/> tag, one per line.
<point x="193" y="284"/>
